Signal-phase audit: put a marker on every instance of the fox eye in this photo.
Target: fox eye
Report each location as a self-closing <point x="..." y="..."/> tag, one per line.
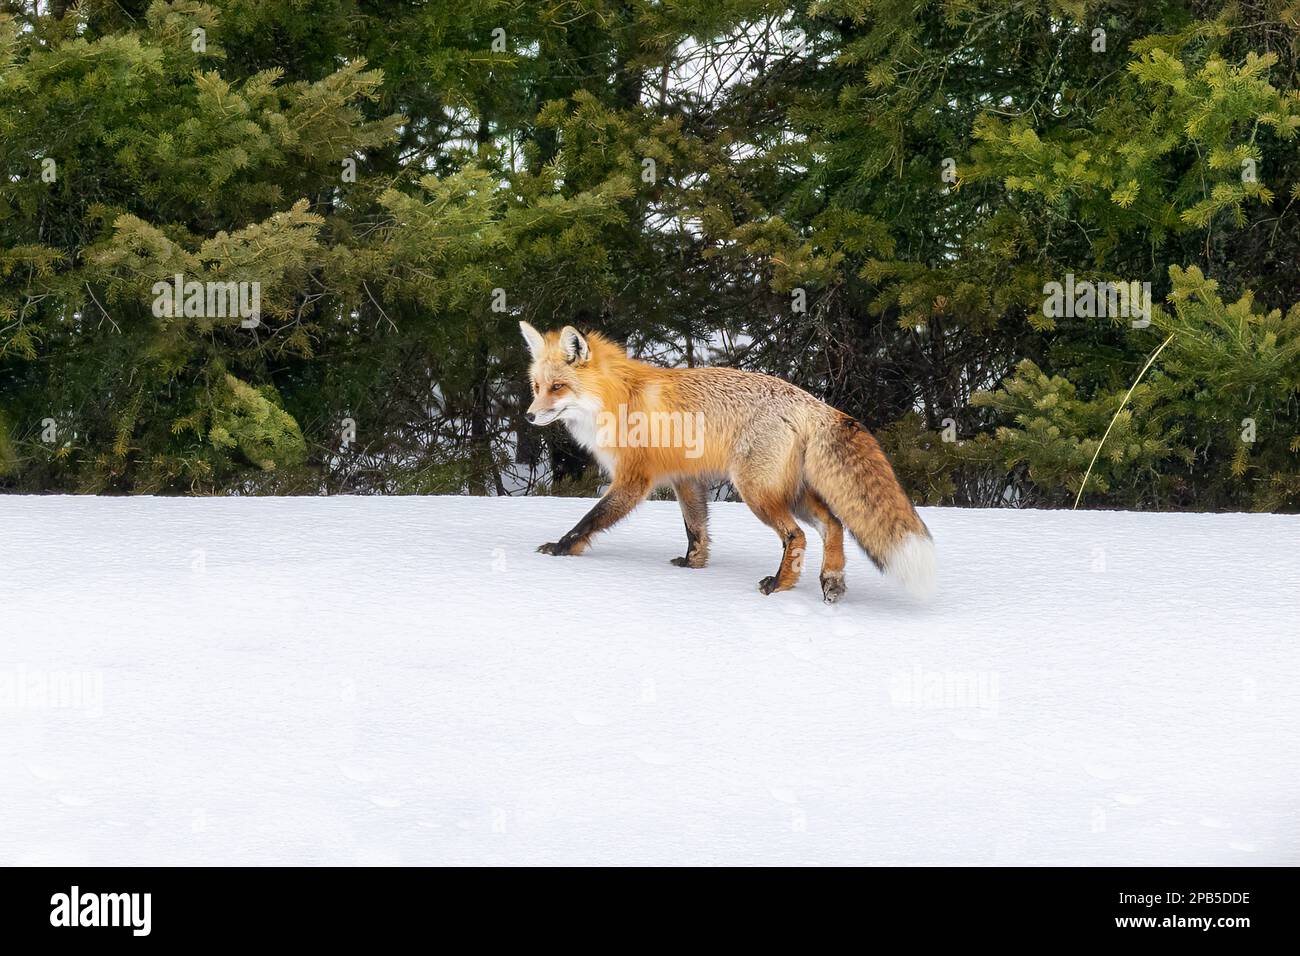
<point x="557" y="386"/>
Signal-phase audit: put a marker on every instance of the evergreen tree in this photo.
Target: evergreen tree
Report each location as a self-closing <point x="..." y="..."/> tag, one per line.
<point x="870" y="198"/>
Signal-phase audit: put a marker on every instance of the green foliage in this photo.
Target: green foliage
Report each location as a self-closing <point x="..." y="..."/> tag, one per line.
<point x="866" y="197"/>
<point x="250" y="421"/>
<point x="1221" y="407"/>
<point x="1005" y="146"/>
<point x="1056" y="433"/>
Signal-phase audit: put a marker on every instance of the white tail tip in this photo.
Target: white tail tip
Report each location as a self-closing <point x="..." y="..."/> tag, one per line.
<point x="913" y="564"/>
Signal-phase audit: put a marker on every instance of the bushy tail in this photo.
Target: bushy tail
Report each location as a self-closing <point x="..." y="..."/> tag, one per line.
<point x="843" y="463"/>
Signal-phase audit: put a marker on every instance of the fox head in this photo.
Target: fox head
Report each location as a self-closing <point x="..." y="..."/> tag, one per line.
<point x="559" y="359"/>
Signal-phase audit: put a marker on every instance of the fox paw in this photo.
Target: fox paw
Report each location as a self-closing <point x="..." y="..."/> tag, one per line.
<point x="690" y="561"/>
<point x="555" y="547"/>
<point x="832" y="587"/>
<point x="768" y="584"/>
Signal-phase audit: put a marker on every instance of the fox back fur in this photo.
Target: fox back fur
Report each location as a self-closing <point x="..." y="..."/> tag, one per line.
<point x="787" y="454"/>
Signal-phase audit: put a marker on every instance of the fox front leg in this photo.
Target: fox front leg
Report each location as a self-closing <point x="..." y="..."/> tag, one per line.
<point x="622" y="497"/>
<point x="693" y="497"/>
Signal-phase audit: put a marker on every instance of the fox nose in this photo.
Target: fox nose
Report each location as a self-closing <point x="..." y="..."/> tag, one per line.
<point x="532" y="419"/>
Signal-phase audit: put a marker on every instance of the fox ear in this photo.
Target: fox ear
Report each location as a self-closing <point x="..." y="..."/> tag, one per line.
<point x="536" y="344"/>
<point x="575" y="346"/>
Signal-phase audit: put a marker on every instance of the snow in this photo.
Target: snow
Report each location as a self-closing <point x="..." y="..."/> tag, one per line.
<point x="403" y="680"/>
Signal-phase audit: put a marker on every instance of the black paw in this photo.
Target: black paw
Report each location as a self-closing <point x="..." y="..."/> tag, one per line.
<point x="833" y="588"/>
<point x="556" y="547"/>
<point x="768" y="584"/>
<point x="690" y="561"/>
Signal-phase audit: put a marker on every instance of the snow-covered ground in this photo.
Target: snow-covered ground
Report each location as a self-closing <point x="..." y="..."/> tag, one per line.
<point x="403" y="680"/>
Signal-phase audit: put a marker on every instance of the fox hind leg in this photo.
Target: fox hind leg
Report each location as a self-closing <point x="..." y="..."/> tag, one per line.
<point x="813" y="509"/>
<point x="692" y="496"/>
<point x="771" y="505"/>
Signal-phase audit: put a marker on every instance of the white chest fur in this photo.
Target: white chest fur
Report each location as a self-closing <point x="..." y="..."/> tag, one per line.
<point x="583" y="421"/>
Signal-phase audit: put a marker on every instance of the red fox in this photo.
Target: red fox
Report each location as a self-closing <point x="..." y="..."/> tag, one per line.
<point x="786" y="453"/>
